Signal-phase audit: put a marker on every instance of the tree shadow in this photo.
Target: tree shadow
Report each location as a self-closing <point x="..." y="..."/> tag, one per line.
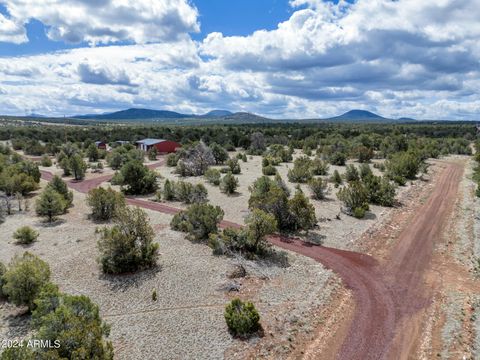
<point x="17" y="324"/>
<point x="48" y="224"/>
<point x="126" y="281"/>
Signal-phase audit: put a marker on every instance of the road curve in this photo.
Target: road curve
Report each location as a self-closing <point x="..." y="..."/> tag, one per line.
<point x="384" y="293"/>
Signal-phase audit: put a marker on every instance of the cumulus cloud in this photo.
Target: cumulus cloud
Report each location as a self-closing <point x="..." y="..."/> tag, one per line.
<point x="12" y="31"/>
<point x="104" y="21"/>
<point x="399" y="58"/>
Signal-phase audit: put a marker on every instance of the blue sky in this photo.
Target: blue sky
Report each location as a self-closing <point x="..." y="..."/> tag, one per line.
<point x="278" y="58"/>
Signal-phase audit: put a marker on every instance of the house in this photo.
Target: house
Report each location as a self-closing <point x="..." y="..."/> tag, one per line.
<point x="101" y="145"/>
<point x="122" y="142"/>
<point x="162" y="146"/>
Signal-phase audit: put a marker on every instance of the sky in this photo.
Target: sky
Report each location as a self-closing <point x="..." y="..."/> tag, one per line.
<point x="276" y="58"/>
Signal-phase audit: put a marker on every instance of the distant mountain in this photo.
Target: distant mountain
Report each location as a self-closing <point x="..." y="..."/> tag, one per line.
<point x="406" y="119"/>
<point x="33" y="115"/>
<point x="358" y="115"/>
<point x="134" y="113"/>
<point x="217" y="113"/>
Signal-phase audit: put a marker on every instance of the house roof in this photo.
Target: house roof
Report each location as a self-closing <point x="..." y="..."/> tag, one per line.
<point x="150" y="141"/>
<point x="99" y="142"/>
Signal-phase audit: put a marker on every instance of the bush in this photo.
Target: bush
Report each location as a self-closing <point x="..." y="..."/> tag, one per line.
<point x="242" y="318"/>
<point x="233" y="166"/>
<point x="168" y="191"/>
<point x="364" y="153"/>
<point x="104" y="203"/>
<point x="258" y="225"/>
<point x="302" y="212"/>
<point x="351" y="173"/>
<point x="229" y="184"/>
<point x="319" y="167"/>
<point x="213" y="176"/>
<point x="77" y="167"/>
<point x="198" y="220"/>
<point x="138" y="178"/>
<point x="92" y="153"/>
<point x="127" y="246"/>
<point x="72" y="321"/>
<point x="152" y="153"/>
<point x="172" y="160"/>
<point x="219" y="153"/>
<point x="338" y="158"/>
<point x="300" y="173"/>
<point x="319" y="188"/>
<point x="25" y="277"/>
<point x="380" y="190"/>
<point x="195" y="161"/>
<point x="402" y="166"/>
<point x="355" y="199"/>
<point x="50" y="204"/>
<point x="58" y="185"/>
<point x="365" y="171"/>
<point x="269" y="170"/>
<point x="189" y="193"/>
<point x="46" y="162"/>
<point x="25" y="235"/>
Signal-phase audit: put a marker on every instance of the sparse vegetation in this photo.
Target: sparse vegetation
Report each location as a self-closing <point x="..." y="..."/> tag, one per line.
<point x="242" y="318"/>
<point x="25" y="235"/>
<point x="128" y="245"/>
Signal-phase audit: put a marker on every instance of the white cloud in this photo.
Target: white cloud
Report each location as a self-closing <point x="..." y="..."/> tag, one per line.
<point x="12" y="31"/>
<point x="399" y="58"/>
<point x="107" y="21"/>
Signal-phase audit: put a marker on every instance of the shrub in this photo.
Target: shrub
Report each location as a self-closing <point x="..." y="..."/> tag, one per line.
<point x="50" y="204"/>
<point x="258" y="225"/>
<point x="58" y="185"/>
<point x="104" y="203"/>
<point x="338" y="158"/>
<point x="302" y="212"/>
<point x="319" y="188"/>
<point x="351" y="173"/>
<point x="380" y="190"/>
<point x="46" y="162"/>
<point x="172" y="160"/>
<point x="74" y="322"/>
<point x="319" y="167"/>
<point x="25" y="235"/>
<point x="365" y="171"/>
<point x="233" y="166"/>
<point x="269" y="170"/>
<point x="300" y="172"/>
<point x="25" y="277"/>
<point x="219" y="153"/>
<point x="189" y="193"/>
<point x="213" y="176"/>
<point x="138" y="178"/>
<point x="229" y="184"/>
<point x="401" y="166"/>
<point x="242" y="318"/>
<point x="257" y="144"/>
<point x="355" y="198"/>
<point x="270" y="196"/>
<point x="196" y="160"/>
<point x="77" y="166"/>
<point x="168" y="191"/>
<point x="364" y="154"/>
<point x="280" y="152"/>
<point x="198" y="220"/>
<point x="152" y="153"/>
<point x="127" y="246"/>
<point x="92" y="153"/>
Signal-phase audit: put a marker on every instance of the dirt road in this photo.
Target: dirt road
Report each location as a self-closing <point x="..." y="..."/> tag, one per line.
<point x="387" y="294"/>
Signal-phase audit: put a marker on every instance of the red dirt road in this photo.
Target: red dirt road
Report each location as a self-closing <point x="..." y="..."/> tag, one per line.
<point x="387" y="294"/>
